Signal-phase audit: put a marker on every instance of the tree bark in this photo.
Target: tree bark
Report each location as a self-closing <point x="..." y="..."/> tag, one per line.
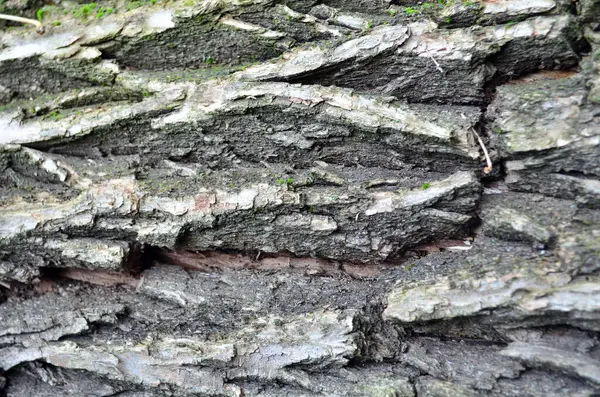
<point x="267" y="198"/>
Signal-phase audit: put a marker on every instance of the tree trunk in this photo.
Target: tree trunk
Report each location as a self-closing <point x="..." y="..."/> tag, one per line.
<point x="301" y="198"/>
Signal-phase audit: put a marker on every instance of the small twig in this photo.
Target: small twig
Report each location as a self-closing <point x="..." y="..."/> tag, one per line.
<point x="38" y="25"/>
<point x="138" y="288"/>
<point x="488" y="160"/>
<point x="437" y="65"/>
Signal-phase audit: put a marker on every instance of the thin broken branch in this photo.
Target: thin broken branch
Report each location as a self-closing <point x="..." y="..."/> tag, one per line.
<point x="437" y="65"/>
<point x="488" y="160"/>
<point x="39" y="28"/>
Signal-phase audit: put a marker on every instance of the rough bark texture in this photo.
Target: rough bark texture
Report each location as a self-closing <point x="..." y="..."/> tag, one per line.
<point x="291" y="198"/>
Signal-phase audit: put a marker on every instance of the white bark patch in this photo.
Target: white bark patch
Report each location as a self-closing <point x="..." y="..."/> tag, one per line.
<point x="160" y="21"/>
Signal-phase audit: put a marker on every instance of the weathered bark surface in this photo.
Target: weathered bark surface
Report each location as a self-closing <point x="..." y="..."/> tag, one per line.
<point x="271" y="198"/>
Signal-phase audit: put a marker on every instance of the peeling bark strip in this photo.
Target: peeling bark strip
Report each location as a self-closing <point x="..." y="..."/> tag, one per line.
<point x="406" y="63"/>
<point x="318" y="220"/>
<point x="264" y="199"/>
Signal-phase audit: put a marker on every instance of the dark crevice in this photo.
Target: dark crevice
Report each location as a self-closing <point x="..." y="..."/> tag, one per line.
<point x="231" y="259"/>
<point x="577" y="174"/>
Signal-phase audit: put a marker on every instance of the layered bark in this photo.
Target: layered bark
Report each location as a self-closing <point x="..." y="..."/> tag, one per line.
<point x="265" y="198"/>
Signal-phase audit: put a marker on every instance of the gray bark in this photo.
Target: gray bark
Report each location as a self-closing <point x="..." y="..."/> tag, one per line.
<point x="264" y="198"/>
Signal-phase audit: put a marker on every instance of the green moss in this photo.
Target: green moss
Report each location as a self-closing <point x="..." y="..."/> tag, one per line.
<point x="132" y="5"/>
<point x="247" y="65"/>
<point x="286" y="181"/>
<point x="56" y="23"/>
<point x="425" y="186"/>
<point x="40" y="14"/>
<point x="104" y="11"/>
<point x="411" y="11"/>
<point x="85" y="10"/>
<point x="55" y="115"/>
<point x="164" y="186"/>
<point x="392" y="12"/>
